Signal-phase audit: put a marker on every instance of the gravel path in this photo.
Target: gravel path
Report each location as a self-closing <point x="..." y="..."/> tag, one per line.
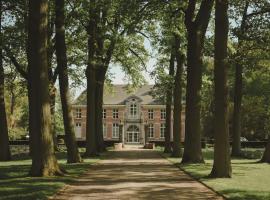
<point x="135" y="174"/>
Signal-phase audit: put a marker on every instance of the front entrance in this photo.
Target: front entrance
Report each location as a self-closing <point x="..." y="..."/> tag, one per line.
<point x="133" y="134"/>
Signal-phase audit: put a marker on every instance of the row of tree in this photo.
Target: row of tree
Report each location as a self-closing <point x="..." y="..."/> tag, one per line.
<point x="113" y="32"/>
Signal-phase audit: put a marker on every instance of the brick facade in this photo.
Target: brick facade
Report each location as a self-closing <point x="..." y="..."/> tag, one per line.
<point x="129" y="121"/>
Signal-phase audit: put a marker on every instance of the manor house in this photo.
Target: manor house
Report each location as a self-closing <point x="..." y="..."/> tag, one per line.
<point x="134" y="118"/>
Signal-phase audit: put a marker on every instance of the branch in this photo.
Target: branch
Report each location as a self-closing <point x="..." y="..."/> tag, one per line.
<point x="189" y="13"/>
<point x="14" y="61"/>
<point x="203" y="16"/>
<point x="138" y="56"/>
<point x="260" y="12"/>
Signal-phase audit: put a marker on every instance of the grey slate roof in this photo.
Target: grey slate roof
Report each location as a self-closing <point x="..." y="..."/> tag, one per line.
<point x="119" y="94"/>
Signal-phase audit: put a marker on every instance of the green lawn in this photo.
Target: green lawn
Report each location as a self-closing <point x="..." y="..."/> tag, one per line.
<point x="250" y="179"/>
<point x="16" y="184"/>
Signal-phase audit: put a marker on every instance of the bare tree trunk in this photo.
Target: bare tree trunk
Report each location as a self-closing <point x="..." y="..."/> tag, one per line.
<point x="167" y="146"/>
<point x="236" y="143"/>
<point x="4" y="143"/>
<point x="196" y="33"/>
<point x="44" y="162"/>
<point x="177" y="120"/>
<point x="101" y="72"/>
<point x="73" y="155"/>
<point x="238" y="85"/>
<point x="222" y="161"/>
<point x="266" y="155"/>
<point x="52" y="94"/>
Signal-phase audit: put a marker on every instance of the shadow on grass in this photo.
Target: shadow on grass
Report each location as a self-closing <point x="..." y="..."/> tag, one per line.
<point x="16" y="184"/>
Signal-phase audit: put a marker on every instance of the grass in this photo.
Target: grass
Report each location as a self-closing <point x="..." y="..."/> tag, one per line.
<point x="16" y="184"/>
<point x="250" y="179"/>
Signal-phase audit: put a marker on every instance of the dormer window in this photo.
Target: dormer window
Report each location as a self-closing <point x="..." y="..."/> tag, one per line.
<point x="133" y="108"/>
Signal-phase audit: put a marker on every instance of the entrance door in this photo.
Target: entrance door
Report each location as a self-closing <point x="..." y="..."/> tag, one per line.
<point x="133" y="134"/>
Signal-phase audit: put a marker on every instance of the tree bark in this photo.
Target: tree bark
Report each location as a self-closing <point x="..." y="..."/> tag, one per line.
<point x="222" y="161"/>
<point x="52" y="94"/>
<point x="4" y="143"/>
<point x="236" y="142"/>
<point x="238" y="85"/>
<point x="44" y="162"/>
<point x="266" y="155"/>
<point x="73" y="155"/>
<point x="101" y="72"/>
<point x="177" y="120"/>
<point x="196" y="33"/>
<point x="167" y="145"/>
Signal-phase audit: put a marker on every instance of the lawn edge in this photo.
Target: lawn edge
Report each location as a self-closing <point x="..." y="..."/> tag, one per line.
<point x="193" y="177"/>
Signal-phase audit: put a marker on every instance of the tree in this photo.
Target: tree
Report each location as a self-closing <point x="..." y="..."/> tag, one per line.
<point x="4" y="142"/>
<point x="196" y="32"/>
<point x="222" y="162"/>
<point x="44" y="162"/>
<point x="73" y="155"/>
<point x="177" y="98"/>
<point x="167" y="145"/>
<point x="266" y="155"/>
<point x="252" y="30"/>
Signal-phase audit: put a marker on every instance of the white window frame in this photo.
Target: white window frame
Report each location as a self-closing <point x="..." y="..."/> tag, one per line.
<point x="115" y="114"/>
<point x="162" y="130"/>
<point x="78" y="124"/>
<point x="133" y="109"/>
<point x="104" y="113"/>
<point x="162" y="114"/>
<point x="151" y="131"/>
<point x="150" y="114"/>
<point x="78" y="113"/>
<point x="115" y="130"/>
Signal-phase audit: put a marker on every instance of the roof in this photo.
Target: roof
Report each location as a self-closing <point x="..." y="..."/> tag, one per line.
<point x="118" y="94"/>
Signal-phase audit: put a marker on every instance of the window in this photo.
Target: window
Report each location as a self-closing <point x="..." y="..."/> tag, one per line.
<point x="104" y="130"/>
<point x="151" y="131"/>
<point x="104" y="113"/>
<point x="163" y="114"/>
<point x="78" y="113"/>
<point x="78" y="124"/>
<point x="162" y="130"/>
<point x="115" y="130"/>
<point x="150" y="114"/>
<point x="133" y="109"/>
<point x="115" y="113"/>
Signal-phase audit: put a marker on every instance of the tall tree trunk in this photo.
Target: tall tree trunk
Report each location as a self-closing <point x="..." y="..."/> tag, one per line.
<point x="238" y="85"/>
<point x="236" y="143"/>
<point x="44" y="162"/>
<point x="4" y="143"/>
<point x="101" y="72"/>
<point x="177" y="120"/>
<point x="73" y="155"/>
<point x="167" y="146"/>
<point x="266" y="155"/>
<point x="222" y="161"/>
<point x="196" y="32"/>
<point x="193" y="150"/>
<point x="52" y="94"/>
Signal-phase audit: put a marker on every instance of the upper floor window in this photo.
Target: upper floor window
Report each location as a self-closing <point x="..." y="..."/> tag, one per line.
<point x="133" y="109"/>
<point x="115" y="113"/>
<point x="104" y="130"/>
<point x="78" y="124"/>
<point x="104" y="113"/>
<point x="151" y="131"/>
<point x="78" y="113"/>
<point x="163" y="114"/>
<point x="115" y="133"/>
<point x="162" y="130"/>
<point x="150" y="114"/>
